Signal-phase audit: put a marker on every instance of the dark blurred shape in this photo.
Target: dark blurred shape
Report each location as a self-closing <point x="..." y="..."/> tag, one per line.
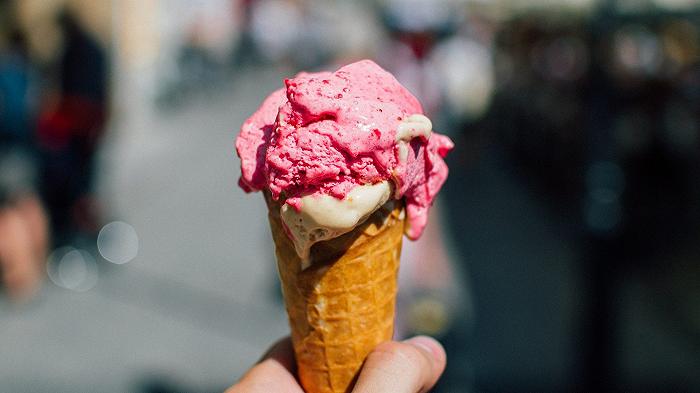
<point x="23" y="226"/>
<point x="14" y="87"/>
<point x="69" y="132"/>
<point x="595" y="122"/>
<point x="83" y="65"/>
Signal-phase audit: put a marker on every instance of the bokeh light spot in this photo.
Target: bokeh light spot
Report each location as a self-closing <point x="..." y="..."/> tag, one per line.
<point x="118" y="242"/>
<point x="72" y="268"/>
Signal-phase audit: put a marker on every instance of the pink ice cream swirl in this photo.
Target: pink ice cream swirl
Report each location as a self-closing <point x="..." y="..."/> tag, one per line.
<point x="327" y="133"/>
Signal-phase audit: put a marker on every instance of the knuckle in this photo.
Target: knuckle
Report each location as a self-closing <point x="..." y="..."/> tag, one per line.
<point x="401" y="354"/>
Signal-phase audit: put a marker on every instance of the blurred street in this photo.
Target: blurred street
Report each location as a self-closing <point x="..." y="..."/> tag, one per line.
<point x="561" y="255"/>
<point x="196" y="303"/>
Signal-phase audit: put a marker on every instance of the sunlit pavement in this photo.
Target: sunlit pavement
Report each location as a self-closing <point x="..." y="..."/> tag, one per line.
<point x="195" y="306"/>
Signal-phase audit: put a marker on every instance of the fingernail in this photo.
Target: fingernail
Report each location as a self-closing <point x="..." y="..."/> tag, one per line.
<point x="427" y="343"/>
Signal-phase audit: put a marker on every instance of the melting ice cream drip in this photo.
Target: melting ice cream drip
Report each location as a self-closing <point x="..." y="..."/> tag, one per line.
<point x="323" y="217"/>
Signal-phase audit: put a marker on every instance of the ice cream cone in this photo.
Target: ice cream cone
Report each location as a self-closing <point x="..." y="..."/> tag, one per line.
<point x="332" y="148"/>
<point x="341" y="306"/>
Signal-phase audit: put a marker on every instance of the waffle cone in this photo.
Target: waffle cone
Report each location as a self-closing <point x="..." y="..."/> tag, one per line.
<point x="342" y="306"/>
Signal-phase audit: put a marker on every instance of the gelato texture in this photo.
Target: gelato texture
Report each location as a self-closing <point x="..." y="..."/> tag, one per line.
<point x="326" y="134"/>
<point x="324" y="217"/>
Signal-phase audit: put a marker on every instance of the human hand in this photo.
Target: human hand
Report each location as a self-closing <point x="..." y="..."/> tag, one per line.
<point x="410" y="366"/>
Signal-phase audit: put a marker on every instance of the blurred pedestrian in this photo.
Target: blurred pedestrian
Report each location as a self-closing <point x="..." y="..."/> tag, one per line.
<point x="23" y="225"/>
<point x="70" y="132"/>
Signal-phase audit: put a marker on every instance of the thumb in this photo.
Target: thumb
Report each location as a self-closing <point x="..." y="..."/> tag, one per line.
<point x="411" y="366"/>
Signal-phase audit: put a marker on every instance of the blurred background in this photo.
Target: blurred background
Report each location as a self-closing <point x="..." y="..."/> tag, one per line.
<point x="563" y="255"/>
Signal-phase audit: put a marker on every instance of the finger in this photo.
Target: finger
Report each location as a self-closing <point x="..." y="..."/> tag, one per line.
<point x="283" y="352"/>
<point x="273" y="373"/>
<point x="411" y="366"/>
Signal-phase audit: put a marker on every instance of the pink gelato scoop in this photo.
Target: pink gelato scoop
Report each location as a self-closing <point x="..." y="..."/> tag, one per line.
<point x="327" y="133"/>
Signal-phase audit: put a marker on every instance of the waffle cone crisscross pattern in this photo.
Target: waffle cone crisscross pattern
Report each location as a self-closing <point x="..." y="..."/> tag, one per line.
<point x="342" y="306"/>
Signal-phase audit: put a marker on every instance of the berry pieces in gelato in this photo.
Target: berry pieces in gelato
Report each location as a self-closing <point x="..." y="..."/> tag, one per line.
<point x="333" y="135"/>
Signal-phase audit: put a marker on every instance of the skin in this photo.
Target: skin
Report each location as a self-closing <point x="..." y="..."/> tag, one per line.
<point x="23" y="244"/>
<point x="411" y="366"/>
